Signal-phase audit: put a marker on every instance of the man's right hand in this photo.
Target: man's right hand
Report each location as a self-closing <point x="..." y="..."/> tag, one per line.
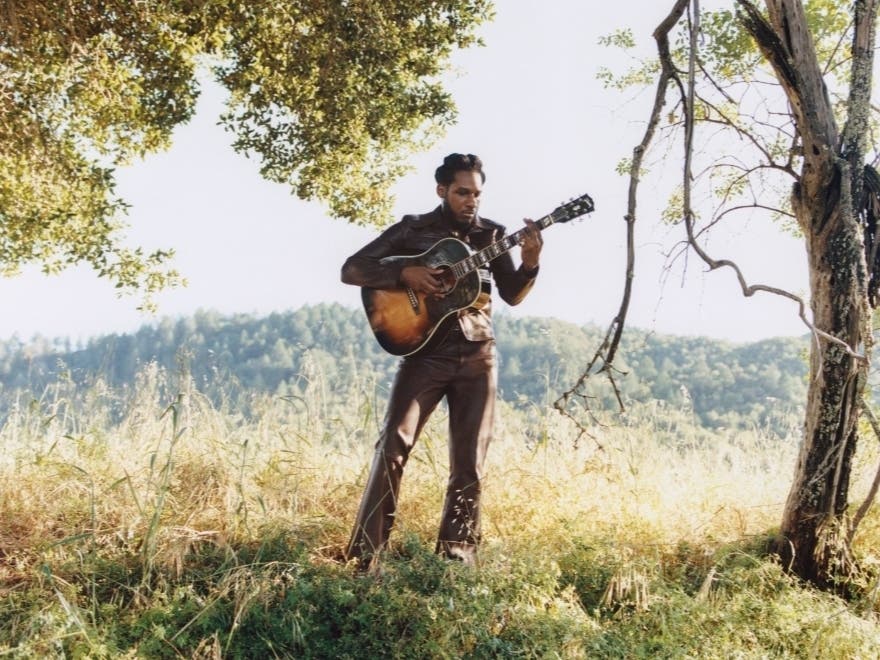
<point x="422" y="279"/>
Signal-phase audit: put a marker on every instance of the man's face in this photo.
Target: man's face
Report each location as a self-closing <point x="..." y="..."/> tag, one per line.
<point x="462" y="196"/>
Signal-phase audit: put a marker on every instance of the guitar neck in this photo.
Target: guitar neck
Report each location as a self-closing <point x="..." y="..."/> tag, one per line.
<point x="495" y="250"/>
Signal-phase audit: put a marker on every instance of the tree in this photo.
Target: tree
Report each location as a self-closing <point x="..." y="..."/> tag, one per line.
<point x="330" y="95"/>
<point x="786" y="102"/>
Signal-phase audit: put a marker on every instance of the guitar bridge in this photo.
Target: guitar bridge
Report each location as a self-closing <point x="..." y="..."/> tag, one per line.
<point x="413" y="299"/>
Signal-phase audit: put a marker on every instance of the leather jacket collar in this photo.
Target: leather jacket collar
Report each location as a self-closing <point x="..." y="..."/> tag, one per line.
<point x="437" y="216"/>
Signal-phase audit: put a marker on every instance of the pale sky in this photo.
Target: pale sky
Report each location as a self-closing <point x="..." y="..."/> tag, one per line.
<point x="531" y="107"/>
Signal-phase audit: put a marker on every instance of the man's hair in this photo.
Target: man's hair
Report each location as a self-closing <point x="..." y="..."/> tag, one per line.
<point x="445" y="174"/>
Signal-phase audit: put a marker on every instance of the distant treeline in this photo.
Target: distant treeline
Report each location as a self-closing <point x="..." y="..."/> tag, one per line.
<point x="723" y="384"/>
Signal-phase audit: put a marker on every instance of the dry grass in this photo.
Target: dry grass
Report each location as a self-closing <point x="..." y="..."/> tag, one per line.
<point x="175" y="479"/>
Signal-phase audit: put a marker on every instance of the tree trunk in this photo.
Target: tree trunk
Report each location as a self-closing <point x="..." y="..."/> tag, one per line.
<point x="814" y="539"/>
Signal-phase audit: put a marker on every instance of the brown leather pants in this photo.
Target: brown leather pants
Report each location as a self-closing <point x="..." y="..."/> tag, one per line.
<point x="465" y="373"/>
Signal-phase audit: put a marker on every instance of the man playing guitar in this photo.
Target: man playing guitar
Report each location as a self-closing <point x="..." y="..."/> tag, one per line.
<point x="456" y="360"/>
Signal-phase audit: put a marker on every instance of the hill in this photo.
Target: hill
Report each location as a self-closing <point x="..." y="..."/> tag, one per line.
<point x="720" y="383"/>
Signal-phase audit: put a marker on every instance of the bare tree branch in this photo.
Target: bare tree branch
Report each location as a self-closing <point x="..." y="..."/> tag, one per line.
<point x="748" y="290"/>
<point x="748" y="135"/>
<point x="743" y="207"/>
<point x="608" y="350"/>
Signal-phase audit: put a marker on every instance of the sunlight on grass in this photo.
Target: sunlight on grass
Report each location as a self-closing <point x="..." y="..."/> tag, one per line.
<point x="153" y="523"/>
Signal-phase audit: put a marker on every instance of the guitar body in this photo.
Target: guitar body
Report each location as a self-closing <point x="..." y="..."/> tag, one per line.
<point x="404" y="320"/>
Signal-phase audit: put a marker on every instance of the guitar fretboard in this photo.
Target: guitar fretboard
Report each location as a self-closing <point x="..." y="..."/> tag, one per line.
<point x="487" y="254"/>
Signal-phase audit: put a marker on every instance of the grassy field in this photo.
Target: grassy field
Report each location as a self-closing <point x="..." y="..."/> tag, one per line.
<point x="153" y="524"/>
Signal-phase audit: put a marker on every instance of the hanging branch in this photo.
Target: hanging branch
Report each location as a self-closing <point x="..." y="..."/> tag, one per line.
<point x="869" y="208"/>
<point x="606" y="353"/>
<point x="866" y="185"/>
<point x="875" y="485"/>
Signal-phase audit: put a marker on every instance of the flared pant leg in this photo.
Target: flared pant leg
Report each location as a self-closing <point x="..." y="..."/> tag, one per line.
<point x="418" y="387"/>
<point x="465" y="373"/>
<point x="471" y="400"/>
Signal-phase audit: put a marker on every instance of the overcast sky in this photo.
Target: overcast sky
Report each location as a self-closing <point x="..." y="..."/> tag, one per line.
<point x="531" y="107"/>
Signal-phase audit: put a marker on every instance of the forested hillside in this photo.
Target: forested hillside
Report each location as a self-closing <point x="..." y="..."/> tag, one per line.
<point x="724" y="384"/>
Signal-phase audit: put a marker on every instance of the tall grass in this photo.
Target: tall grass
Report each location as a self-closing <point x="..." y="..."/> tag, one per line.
<point x="151" y="523"/>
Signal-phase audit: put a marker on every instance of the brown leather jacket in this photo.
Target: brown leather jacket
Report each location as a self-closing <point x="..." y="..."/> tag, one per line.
<point x="416" y="233"/>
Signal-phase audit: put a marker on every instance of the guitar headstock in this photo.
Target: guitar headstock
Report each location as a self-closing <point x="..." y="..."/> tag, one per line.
<point x="573" y="209"/>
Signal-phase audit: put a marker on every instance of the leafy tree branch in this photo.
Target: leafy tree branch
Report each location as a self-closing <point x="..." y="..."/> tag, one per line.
<point x="330" y="96"/>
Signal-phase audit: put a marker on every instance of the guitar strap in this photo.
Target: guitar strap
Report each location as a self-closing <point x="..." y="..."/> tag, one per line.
<point x="485" y="277"/>
<point x="482" y="301"/>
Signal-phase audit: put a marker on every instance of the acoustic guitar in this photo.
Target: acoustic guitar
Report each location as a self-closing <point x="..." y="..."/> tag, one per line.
<point x="404" y="320"/>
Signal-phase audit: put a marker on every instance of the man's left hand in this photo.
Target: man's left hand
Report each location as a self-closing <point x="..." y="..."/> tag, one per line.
<point x="530" y="243"/>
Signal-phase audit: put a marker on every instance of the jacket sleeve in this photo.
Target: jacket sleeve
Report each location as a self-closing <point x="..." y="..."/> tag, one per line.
<point x="363" y="268"/>
<point x="513" y="283"/>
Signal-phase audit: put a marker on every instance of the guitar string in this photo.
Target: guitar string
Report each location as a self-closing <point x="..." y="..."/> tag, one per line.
<point x="493" y="251"/>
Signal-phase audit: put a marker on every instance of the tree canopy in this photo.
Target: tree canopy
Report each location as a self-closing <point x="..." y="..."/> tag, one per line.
<point x="330" y="96"/>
